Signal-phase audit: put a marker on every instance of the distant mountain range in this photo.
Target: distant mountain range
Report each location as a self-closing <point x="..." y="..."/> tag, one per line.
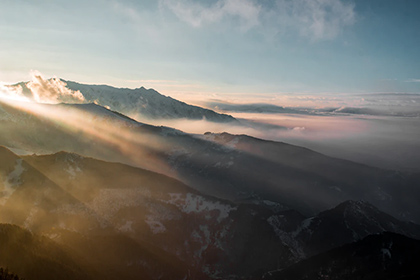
<point x="263" y="108"/>
<point x="139" y="102"/>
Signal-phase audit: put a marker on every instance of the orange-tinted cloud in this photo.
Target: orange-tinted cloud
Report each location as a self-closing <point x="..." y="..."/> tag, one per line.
<point x="52" y="90"/>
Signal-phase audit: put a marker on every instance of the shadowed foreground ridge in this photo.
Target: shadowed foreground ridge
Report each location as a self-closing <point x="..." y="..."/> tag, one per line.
<point x="5" y="275"/>
<point x="381" y="256"/>
<point x="35" y="257"/>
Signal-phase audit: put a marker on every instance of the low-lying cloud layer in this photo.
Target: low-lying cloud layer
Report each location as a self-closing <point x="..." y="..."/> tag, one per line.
<point x="407" y="108"/>
<point x="386" y="142"/>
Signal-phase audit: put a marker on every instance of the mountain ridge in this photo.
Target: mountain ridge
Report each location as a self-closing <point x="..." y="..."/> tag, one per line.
<point x="380" y="256"/>
<point x="347" y="222"/>
<point x="152" y="219"/>
<point x="289" y="175"/>
<point x="136" y="103"/>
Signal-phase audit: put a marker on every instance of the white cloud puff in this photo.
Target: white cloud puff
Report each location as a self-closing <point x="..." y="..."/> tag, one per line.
<point x="52" y="90"/>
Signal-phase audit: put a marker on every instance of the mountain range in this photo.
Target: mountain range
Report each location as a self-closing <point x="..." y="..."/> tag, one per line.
<point x="147" y="221"/>
<point x="116" y="198"/>
<point x="289" y="176"/>
<point x="264" y="108"/>
<point x="136" y="103"/>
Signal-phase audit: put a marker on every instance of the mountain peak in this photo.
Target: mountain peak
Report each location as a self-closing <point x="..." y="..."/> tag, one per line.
<point x="348" y="222"/>
<point x="355" y="204"/>
<point x="356" y="208"/>
<point x="145" y="102"/>
<point x="68" y="156"/>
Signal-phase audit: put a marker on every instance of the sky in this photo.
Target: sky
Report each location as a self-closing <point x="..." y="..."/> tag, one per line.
<point x="243" y="47"/>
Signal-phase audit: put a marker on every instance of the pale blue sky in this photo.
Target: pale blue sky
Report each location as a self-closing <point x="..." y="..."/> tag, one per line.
<point x="223" y="46"/>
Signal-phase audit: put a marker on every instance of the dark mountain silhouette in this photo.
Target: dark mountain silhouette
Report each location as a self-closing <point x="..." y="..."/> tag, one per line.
<point x="382" y="256"/>
<point x="35" y="257"/>
<point x="348" y="222"/>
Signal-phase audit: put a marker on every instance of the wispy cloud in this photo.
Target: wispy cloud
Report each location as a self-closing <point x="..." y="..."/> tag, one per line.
<point x="196" y="14"/>
<point x="317" y="19"/>
<point x="126" y="10"/>
<point x="413" y="81"/>
<point x="314" y="19"/>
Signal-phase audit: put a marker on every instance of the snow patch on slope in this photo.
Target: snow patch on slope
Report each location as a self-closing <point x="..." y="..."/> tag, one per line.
<point x="28" y="223"/>
<point x="127" y="227"/>
<point x="155" y="225"/>
<point x="287" y="237"/>
<point x="386" y="253"/>
<point x="304" y="226"/>
<point x="109" y="201"/>
<point x="74" y="165"/>
<point x="191" y="203"/>
<point x="202" y="237"/>
<point x="78" y="210"/>
<point x="72" y="171"/>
